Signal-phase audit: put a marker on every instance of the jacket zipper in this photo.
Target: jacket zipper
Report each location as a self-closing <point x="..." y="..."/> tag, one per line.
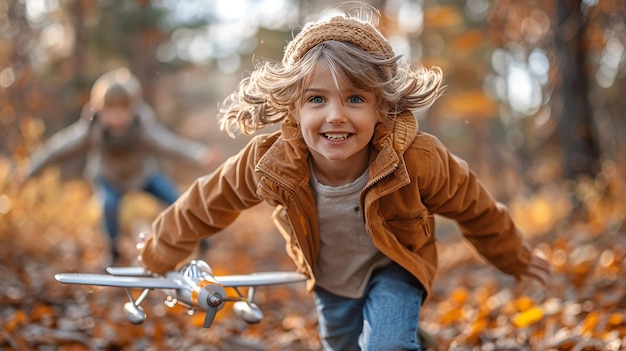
<point x="284" y="186"/>
<point x="373" y="182"/>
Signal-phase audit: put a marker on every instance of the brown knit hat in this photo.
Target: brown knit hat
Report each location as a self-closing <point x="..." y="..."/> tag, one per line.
<point x="339" y="28"/>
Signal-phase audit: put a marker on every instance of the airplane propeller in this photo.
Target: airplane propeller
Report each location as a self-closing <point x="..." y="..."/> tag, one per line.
<point x="214" y="301"/>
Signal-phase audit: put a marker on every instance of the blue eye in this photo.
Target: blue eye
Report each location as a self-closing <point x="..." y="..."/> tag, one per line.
<point x="316" y="99"/>
<point x="355" y="99"/>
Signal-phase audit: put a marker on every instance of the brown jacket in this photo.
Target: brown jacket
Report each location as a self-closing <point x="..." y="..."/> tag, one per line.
<point x="412" y="177"/>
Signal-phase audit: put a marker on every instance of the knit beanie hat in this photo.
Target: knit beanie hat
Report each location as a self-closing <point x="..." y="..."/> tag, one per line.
<point x="339" y="28"/>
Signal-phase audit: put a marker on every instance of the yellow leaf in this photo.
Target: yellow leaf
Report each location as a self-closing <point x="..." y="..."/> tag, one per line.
<point x="528" y="317"/>
<point x="590" y="323"/>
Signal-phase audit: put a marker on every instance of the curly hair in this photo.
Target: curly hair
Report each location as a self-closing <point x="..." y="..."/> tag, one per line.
<point x="274" y="90"/>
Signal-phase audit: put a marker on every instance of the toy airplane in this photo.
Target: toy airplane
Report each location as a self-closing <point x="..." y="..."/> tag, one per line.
<point x="193" y="286"/>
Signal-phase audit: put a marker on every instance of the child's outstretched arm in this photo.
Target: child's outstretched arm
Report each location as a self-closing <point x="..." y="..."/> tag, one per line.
<point x="452" y="190"/>
<point x="209" y="205"/>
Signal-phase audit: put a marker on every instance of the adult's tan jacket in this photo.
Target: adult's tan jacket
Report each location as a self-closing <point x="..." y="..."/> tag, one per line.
<point x="412" y="177"/>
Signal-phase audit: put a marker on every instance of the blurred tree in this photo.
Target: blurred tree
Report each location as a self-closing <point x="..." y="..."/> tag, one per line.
<point x="21" y="93"/>
<point x="133" y="31"/>
<point x="500" y="60"/>
<point x="577" y="130"/>
<point x="555" y="65"/>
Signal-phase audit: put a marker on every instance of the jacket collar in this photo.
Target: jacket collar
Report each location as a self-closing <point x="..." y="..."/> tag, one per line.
<point x="286" y="161"/>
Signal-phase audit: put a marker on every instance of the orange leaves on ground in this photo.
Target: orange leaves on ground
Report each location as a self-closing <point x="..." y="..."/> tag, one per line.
<point x="18" y="319"/>
<point x="580" y="308"/>
<point x="51" y="227"/>
<point x="589" y="324"/>
<point x="42" y="313"/>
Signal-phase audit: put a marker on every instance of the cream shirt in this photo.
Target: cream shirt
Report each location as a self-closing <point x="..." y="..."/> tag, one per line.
<point x="347" y="255"/>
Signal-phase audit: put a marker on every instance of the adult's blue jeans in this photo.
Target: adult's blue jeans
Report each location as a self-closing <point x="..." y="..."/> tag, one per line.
<point x="157" y="185"/>
<point x="385" y="318"/>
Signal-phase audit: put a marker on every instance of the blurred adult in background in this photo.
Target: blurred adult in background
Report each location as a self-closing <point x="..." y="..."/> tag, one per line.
<point x="120" y="138"/>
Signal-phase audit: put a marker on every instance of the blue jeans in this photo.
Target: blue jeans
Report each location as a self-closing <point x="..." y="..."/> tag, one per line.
<point x="385" y="318"/>
<point x="157" y="185"/>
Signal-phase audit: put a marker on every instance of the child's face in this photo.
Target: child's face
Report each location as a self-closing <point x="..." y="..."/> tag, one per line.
<point x="337" y="124"/>
<point x="117" y="114"/>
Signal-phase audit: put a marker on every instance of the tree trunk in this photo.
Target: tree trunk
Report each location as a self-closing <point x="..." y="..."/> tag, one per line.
<point x="576" y="127"/>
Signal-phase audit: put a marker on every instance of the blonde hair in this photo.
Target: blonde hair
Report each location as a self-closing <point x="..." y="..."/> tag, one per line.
<point x="274" y="90"/>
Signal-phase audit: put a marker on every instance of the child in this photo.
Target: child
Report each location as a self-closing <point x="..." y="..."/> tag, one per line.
<point x="354" y="183"/>
<point x="120" y="144"/>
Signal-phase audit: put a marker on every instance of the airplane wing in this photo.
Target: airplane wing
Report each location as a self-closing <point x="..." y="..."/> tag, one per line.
<point x="260" y="279"/>
<point x="116" y="281"/>
<point x="128" y="271"/>
<point x="135" y="277"/>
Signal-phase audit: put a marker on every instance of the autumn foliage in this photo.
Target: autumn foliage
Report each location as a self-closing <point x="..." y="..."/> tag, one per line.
<point x="49" y="225"/>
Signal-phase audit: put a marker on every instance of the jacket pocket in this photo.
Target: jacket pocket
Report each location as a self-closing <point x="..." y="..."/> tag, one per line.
<point x="413" y="230"/>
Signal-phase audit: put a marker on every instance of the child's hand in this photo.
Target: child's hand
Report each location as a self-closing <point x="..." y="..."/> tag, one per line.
<point x="538" y="269"/>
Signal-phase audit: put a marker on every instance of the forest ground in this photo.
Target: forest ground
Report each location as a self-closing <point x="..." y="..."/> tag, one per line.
<point x="51" y="226"/>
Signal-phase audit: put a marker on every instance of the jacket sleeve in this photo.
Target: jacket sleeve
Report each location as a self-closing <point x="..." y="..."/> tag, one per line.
<point x="168" y="143"/>
<point x="65" y="144"/>
<point x="209" y="205"/>
<point x="452" y="190"/>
